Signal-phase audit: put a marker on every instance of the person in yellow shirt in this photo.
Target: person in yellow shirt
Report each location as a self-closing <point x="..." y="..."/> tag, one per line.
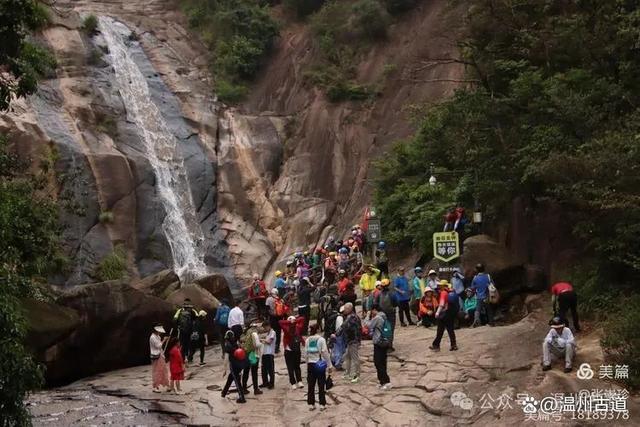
<point x="368" y="280"/>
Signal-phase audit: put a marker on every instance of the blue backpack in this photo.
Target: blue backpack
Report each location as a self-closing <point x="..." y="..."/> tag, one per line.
<point x="223" y="315"/>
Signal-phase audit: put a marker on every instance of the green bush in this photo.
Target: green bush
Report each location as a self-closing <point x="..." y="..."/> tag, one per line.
<point x="90" y="24"/>
<point x="30" y="236"/>
<point x="239" y="35"/>
<point x="371" y="18"/>
<point x="230" y="92"/>
<point x="105" y="217"/>
<point x="114" y="265"/>
<point x="303" y="8"/>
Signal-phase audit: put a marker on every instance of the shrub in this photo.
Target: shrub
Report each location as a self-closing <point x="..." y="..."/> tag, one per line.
<point x="106" y="123"/>
<point x="114" y="265"/>
<point x="105" y="217"/>
<point x="303" y="8"/>
<point x="90" y="24"/>
<point x="95" y="57"/>
<point x="239" y="56"/>
<point x="230" y="92"/>
<point x="399" y="6"/>
<point x="372" y="19"/>
<point x="348" y="91"/>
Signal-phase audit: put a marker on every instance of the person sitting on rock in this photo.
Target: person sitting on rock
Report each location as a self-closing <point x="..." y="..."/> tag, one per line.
<point x="559" y="342"/>
<point x="427" y="308"/>
<point x="258" y="294"/>
<point x="469" y="306"/>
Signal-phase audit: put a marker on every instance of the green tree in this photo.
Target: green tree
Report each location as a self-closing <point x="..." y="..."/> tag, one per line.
<point x="29" y="252"/>
<point x="21" y="61"/>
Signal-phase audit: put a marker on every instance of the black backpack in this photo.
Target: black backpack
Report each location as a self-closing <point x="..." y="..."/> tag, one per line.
<point x="330" y="322"/>
<point x="185" y="319"/>
<point x="294" y="345"/>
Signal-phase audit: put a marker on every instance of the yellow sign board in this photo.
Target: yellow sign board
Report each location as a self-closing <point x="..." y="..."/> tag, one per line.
<point x="446" y="246"/>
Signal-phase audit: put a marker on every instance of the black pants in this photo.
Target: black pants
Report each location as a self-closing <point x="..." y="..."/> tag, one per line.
<point x="380" y="362"/>
<point x="234" y="377"/>
<point x="305" y="312"/>
<point x="275" y="325"/>
<point x="261" y="308"/>
<point x="568" y="301"/>
<point x="446" y="323"/>
<point x="254" y="376"/>
<point x="403" y="311"/>
<point x="384" y="268"/>
<point x="185" y="344"/>
<point x="268" y="371"/>
<point x="312" y="378"/>
<point x="292" y="359"/>
<point x="197" y="345"/>
<point x="391" y="317"/>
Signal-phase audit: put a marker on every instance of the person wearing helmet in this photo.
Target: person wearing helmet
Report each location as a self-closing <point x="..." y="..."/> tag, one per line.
<point x="236" y="364"/>
<point x="346" y="290"/>
<point x="387" y="300"/>
<point x="276" y="307"/>
<point x="279" y="284"/>
<point x="343" y="258"/>
<point x="382" y="260"/>
<point x="199" y="338"/>
<point x="433" y="280"/>
<point x="418" y="286"/>
<point x="403" y="292"/>
<point x="445" y="317"/>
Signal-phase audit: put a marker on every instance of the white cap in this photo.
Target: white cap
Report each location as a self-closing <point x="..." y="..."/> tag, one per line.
<point x="274" y="291"/>
<point x="159" y="329"/>
<point x="432" y="272"/>
<point x="291" y="318"/>
<point x="341" y="308"/>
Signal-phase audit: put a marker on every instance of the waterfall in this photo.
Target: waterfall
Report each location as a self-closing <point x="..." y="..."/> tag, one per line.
<point x="160" y="147"/>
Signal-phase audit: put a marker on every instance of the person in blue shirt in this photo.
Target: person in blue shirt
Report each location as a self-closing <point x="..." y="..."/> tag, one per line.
<point x="280" y="284"/>
<point x="403" y="293"/>
<point x="480" y="285"/>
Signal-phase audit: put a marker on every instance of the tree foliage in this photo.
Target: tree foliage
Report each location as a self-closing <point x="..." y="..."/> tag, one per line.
<point x="239" y="34"/>
<point x="30" y="235"/>
<point x="21" y="61"/>
<point x="554" y="115"/>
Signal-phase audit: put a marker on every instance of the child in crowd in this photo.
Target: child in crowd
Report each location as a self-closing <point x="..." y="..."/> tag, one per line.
<point x="176" y="365"/>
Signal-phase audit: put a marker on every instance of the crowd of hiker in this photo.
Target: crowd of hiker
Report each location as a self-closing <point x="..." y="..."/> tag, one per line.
<point x="309" y="312"/>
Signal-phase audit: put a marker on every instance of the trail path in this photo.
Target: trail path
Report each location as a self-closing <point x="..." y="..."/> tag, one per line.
<point x="498" y="361"/>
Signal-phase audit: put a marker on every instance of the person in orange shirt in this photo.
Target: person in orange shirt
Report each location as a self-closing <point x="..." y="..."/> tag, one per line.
<point x="427" y="308"/>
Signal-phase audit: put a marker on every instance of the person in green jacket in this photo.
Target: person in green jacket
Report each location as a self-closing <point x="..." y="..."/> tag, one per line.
<point x="470" y="305"/>
<point x="417" y="286"/>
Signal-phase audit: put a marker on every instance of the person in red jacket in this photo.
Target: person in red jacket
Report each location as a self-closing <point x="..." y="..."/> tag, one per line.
<point x="293" y="341"/>
<point x="445" y="317"/>
<point x="176" y="365"/>
<point x="258" y="293"/>
<point x="564" y="298"/>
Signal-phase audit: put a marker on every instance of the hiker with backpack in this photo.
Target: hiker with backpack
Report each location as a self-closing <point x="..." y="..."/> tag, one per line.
<point x="382" y="337"/>
<point x="199" y="337"/>
<point x="445" y="316"/>
<point x="318" y="365"/>
<point x="258" y="294"/>
<point x="382" y="260"/>
<point x="387" y="301"/>
<point x="221" y="321"/>
<point x="352" y="330"/>
<point x="293" y="342"/>
<point x="278" y="310"/>
<point x="480" y="284"/>
<point x="252" y="346"/>
<point x="403" y="293"/>
<point x="279" y="284"/>
<point x="184" y="318"/>
<point x="237" y="362"/>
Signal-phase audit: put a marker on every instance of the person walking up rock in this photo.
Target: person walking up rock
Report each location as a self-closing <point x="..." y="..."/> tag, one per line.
<point x="380" y="329"/>
<point x="446" y="317"/>
<point x="352" y="330"/>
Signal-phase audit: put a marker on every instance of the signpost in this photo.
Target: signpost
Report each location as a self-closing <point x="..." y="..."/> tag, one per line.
<point x="374" y="231"/>
<point x="446" y="246"/>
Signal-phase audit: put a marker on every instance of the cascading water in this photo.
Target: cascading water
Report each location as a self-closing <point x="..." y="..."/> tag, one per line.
<point x="180" y="226"/>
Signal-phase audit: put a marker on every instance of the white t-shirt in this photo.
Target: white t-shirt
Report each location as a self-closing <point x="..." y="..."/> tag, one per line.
<point x="236" y="317"/>
<point x="155" y="345"/>
<point x="320" y="348"/>
<point x="269" y="346"/>
<point x="257" y="344"/>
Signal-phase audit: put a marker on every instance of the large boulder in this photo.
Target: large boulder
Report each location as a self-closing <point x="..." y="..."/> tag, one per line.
<point x="48" y="324"/>
<point x="200" y="297"/>
<point x="111" y="328"/>
<point x="217" y="285"/>
<point x="161" y="284"/>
